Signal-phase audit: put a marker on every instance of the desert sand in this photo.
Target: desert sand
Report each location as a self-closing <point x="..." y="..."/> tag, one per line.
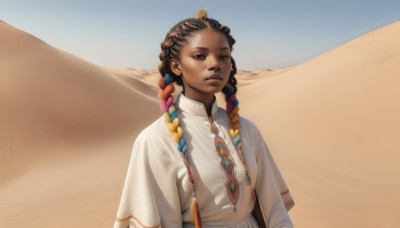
<point x="68" y="126"/>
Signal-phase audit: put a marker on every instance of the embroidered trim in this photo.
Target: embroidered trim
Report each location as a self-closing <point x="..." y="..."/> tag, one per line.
<point x="284" y="192"/>
<point x="120" y="220"/>
<point x="227" y="163"/>
<point x="287" y="200"/>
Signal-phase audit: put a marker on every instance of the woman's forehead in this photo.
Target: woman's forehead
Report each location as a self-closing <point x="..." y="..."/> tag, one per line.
<point x="207" y="39"/>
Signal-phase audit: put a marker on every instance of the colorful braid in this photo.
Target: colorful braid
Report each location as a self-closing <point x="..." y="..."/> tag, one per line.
<point x="167" y="104"/>
<point x="232" y="108"/>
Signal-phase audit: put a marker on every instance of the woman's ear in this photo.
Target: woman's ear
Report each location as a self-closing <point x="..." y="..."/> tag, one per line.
<point x="175" y="67"/>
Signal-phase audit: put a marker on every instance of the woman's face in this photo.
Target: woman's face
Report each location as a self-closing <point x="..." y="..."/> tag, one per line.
<point x="205" y="64"/>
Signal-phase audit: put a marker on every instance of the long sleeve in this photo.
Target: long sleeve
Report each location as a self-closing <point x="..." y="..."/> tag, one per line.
<point x="150" y="197"/>
<point x="272" y="192"/>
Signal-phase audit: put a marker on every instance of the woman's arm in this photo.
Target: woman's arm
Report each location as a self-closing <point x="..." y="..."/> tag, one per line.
<point x="150" y="196"/>
<point x="272" y="193"/>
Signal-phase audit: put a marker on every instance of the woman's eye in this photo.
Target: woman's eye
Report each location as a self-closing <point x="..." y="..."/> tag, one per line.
<point x="199" y="57"/>
<point x="225" y="57"/>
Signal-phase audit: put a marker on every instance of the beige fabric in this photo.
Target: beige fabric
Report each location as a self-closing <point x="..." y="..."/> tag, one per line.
<point x="245" y="223"/>
<point x="157" y="190"/>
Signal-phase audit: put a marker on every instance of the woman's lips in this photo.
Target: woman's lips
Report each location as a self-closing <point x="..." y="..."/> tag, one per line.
<point x="214" y="77"/>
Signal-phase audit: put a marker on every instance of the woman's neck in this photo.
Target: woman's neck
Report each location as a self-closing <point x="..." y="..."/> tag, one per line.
<point x="207" y="101"/>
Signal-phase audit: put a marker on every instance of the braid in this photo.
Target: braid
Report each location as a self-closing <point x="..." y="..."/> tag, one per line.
<point x="232" y="108"/>
<point x="167" y="104"/>
<point x="232" y="102"/>
<point x="170" y="49"/>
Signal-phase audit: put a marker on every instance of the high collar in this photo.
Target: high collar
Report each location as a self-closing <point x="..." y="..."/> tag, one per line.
<point x="192" y="107"/>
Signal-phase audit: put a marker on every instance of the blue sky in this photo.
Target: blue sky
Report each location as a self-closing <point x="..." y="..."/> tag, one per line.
<point x="269" y="34"/>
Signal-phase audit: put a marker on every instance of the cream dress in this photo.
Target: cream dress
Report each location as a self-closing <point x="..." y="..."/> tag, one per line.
<point x="157" y="190"/>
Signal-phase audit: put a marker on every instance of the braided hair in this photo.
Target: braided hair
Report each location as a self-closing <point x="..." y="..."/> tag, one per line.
<point x="175" y="39"/>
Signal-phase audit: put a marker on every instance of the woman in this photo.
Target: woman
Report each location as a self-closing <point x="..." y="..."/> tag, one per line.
<point x="200" y="165"/>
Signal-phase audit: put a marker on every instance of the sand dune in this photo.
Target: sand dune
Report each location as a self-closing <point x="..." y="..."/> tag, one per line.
<point x="68" y="127"/>
<point x="333" y="124"/>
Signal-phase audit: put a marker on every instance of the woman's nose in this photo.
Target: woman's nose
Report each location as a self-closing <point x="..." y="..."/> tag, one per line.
<point x="213" y="64"/>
